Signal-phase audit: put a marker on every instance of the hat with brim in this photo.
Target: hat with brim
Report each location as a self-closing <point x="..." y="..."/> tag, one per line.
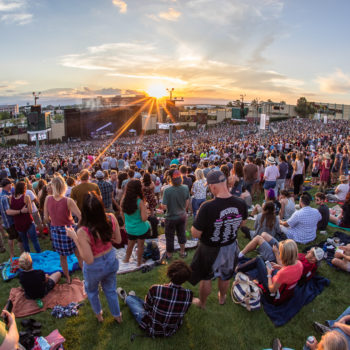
<point x="343" y="178"/>
<point x="5" y="182"/>
<point x="99" y="174"/>
<point x="271" y="160"/>
<point x="318" y="252"/>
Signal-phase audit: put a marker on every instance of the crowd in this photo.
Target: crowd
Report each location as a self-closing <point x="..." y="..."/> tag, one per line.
<point x="92" y="199"/>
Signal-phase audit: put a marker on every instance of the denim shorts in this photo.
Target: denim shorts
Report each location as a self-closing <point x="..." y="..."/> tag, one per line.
<point x="269" y="184"/>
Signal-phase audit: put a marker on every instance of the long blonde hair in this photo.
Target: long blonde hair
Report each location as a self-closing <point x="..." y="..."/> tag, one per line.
<point x="288" y="252"/>
<point x="58" y="185"/>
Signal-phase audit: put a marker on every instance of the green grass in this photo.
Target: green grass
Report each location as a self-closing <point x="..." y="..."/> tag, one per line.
<point x="217" y="327"/>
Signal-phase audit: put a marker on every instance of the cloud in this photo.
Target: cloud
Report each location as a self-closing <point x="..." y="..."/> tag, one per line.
<point x="13" y="12"/>
<point x="170" y="15"/>
<point x="121" y="5"/>
<point x="337" y="83"/>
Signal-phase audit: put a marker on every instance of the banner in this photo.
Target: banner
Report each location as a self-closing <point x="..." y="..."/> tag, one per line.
<point x="262" y="121"/>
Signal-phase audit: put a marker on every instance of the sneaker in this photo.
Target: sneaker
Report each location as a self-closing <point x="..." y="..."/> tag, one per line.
<point x="321" y="328"/>
<point x="121" y="292"/>
<point x="132" y="293"/>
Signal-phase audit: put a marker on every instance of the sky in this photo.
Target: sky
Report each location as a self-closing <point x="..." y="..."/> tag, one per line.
<point x="207" y="50"/>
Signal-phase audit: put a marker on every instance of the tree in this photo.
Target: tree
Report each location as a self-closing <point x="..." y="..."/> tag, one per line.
<point x="304" y="108"/>
<point x="230" y="104"/>
<point x="5" y="115"/>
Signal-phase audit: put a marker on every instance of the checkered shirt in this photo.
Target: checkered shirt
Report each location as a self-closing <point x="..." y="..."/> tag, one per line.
<point x="5" y="205"/>
<point x="106" y="190"/>
<point x="166" y="306"/>
<point x="303" y="225"/>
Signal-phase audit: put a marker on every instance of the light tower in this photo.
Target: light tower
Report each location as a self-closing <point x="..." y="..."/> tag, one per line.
<point x="36" y="96"/>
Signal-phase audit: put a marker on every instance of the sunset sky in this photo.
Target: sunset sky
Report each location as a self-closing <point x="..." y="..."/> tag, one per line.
<point x="208" y="50"/>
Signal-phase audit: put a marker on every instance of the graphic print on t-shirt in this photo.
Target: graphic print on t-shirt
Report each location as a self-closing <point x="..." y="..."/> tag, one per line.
<point x="226" y="225"/>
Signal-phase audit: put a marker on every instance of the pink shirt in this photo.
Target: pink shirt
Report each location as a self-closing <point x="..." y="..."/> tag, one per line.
<point x="271" y="173"/>
<point x="59" y="212"/>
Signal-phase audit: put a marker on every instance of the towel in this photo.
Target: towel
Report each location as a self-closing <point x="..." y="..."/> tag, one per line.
<point x="62" y="294"/>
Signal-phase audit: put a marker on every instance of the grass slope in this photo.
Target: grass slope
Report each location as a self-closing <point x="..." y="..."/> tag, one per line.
<point x="218" y="327"/>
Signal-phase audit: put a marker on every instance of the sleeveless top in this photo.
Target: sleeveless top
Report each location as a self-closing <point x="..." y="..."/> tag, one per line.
<point x="22" y="221"/>
<point x="134" y="224"/>
<point x="58" y="211"/>
<point x="97" y="246"/>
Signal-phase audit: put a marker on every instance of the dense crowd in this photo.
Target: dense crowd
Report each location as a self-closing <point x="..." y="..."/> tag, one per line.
<point x="94" y="197"/>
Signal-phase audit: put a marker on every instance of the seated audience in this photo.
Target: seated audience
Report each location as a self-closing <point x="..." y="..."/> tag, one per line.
<point x="323" y="209"/>
<point x="343" y="219"/>
<point x="342" y="258"/>
<point x="162" y="312"/>
<point x="9" y="338"/>
<point x="287" y="205"/>
<point x="302" y="225"/>
<point x="340" y="191"/>
<point x="36" y="283"/>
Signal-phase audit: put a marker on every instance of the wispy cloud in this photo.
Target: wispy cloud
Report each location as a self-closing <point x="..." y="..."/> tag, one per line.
<point x="13" y="12"/>
<point x="170" y="15"/>
<point x="122" y="5"/>
<point x="337" y="83"/>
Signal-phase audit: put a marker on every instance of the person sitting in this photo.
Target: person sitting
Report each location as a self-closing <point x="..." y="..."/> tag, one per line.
<point x="36" y="283"/>
<point x="287" y="205"/>
<point x="164" y="308"/>
<point x="343" y="219"/>
<point x="342" y="258"/>
<point x="330" y="341"/>
<point x="320" y="199"/>
<point x="271" y="197"/>
<point x="341" y="190"/>
<point x="302" y="225"/>
<point x="267" y="247"/>
<point x="280" y="281"/>
<point x="246" y="196"/>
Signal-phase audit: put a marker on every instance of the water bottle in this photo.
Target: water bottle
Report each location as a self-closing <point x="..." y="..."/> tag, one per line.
<point x="311" y="339"/>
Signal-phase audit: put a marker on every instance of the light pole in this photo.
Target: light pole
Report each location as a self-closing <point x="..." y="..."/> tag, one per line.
<point x="36" y="96"/>
<point x="37" y="146"/>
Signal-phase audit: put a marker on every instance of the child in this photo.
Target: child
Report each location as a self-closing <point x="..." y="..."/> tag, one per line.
<point x="36" y="283"/>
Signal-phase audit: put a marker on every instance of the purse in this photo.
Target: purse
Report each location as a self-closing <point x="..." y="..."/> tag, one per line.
<point x="245" y="292"/>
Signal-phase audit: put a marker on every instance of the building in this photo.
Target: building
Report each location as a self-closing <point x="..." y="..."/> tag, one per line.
<point x="12" y="109"/>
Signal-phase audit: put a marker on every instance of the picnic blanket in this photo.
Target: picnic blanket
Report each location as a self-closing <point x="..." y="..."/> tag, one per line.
<point x="132" y="264"/>
<point x="48" y="261"/>
<point x="303" y="295"/>
<point x="62" y="294"/>
<point x="342" y="228"/>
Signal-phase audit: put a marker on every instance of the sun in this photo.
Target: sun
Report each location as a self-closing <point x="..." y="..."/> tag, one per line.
<point x="156" y="90"/>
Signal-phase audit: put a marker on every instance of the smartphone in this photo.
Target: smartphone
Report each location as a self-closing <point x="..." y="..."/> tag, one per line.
<point x="268" y="265"/>
<point x="8" y="307"/>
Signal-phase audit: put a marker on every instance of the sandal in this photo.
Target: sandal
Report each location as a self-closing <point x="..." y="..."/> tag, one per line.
<point x="183" y="255"/>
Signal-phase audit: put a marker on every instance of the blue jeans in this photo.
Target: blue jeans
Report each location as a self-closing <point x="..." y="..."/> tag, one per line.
<point x="196" y="203"/>
<point x="331" y="323"/>
<point x="31" y="232"/>
<point x="136" y="307"/>
<point x="103" y="270"/>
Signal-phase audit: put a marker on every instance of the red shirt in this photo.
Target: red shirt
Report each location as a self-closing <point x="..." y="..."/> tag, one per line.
<point x="309" y="269"/>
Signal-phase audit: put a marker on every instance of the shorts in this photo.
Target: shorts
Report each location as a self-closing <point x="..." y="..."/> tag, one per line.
<point x="13" y="234"/>
<point x="172" y="226"/>
<point x="50" y="284"/>
<point x="269" y="184"/>
<point x="135" y="237"/>
<point x="265" y="250"/>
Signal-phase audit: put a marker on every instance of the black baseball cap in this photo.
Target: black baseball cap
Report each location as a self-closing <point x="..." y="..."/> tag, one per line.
<point x="215" y="177"/>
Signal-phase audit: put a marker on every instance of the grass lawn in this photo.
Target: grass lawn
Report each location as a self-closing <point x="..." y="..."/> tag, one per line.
<point x="218" y="327"/>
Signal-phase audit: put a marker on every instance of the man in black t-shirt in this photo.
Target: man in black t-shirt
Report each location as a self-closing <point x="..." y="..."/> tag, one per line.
<point x="216" y="225"/>
<point x="320" y="199"/>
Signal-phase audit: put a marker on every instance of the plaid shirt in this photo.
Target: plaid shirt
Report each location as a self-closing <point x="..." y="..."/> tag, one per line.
<point x="106" y="190"/>
<point x="166" y="306"/>
<point x="303" y="225"/>
<point x="5" y="205"/>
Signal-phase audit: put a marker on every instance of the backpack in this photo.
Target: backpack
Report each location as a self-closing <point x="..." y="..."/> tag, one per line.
<point x="245" y="292"/>
<point x="151" y="251"/>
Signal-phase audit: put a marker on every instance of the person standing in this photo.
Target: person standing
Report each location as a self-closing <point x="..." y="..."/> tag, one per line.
<point x="7" y="219"/>
<point x="199" y="191"/>
<point x="270" y="176"/>
<point x="94" y="240"/>
<point x="175" y="201"/>
<point x="58" y="211"/>
<point x="106" y="190"/>
<point x="250" y="172"/>
<point x="216" y="226"/>
<point x="283" y="170"/>
<point x="135" y="218"/>
<point x="78" y="192"/>
<point x="24" y="224"/>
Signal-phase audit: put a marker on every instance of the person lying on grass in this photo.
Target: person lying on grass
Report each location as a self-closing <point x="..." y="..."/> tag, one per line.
<point x="164" y="308"/>
<point x="36" y="283"/>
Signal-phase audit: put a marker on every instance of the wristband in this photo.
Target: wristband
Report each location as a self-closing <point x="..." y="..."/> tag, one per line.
<point x="269" y="276"/>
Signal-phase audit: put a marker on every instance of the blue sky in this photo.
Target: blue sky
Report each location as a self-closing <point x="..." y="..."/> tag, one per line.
<point x="209" y="49"/>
